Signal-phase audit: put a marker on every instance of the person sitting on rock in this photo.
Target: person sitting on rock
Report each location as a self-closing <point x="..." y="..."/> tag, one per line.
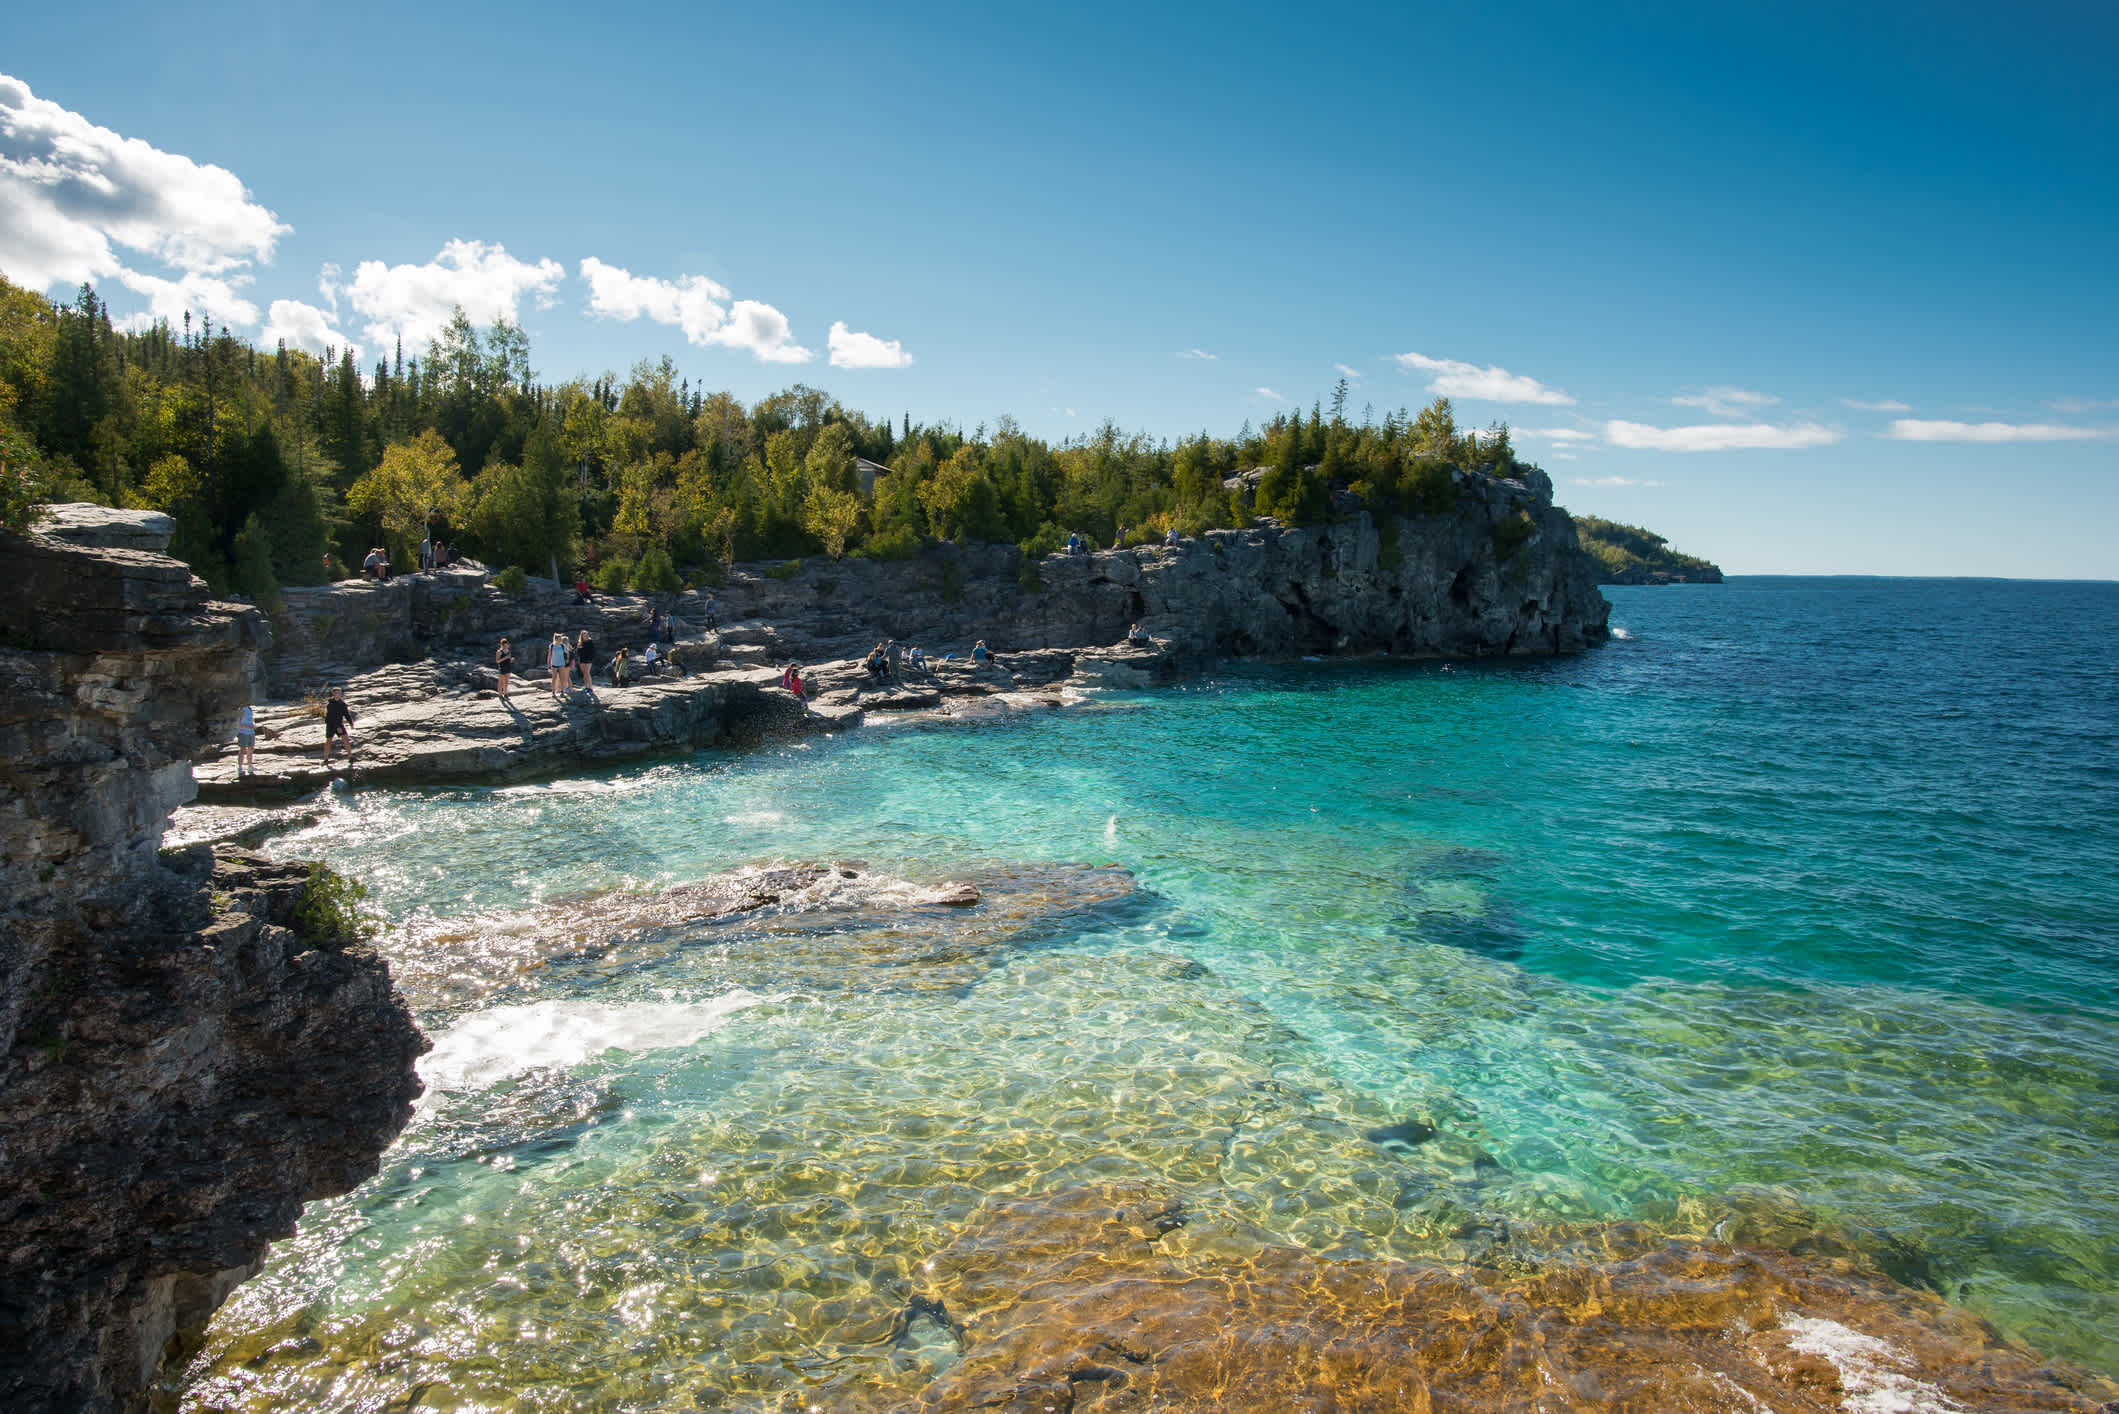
<point x="711" y="622"/>
<point x="1135" y="635"/>
<point x="650" y="661"/>
<point x="796" y="686"/>
<point x="581" y="591"/>
<point x="338" y="719"/>
<point x="876" y="664"/>
<point x="917" y="658"/>
<point x="1170" y="536"/>
<point x="982" y="656"/>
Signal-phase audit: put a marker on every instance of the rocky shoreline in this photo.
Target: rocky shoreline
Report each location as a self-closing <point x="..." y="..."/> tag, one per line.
<point x="186" y="1056"/>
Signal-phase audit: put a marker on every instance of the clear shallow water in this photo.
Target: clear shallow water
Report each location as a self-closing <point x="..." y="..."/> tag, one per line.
<point x="1794" y="906"/>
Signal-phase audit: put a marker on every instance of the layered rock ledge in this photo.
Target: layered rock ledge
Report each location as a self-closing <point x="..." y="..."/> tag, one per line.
<point x="186" y="1057"/>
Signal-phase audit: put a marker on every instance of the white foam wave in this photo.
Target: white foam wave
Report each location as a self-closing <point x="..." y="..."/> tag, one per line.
<point x="1623" y="635"/>
<point x="756" y="817"/>
<point x="490" y="1046"/>
<point x="1862" y="1360"/>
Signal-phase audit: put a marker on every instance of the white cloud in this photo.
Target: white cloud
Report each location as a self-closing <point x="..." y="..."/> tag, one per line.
<point x="2080" y="404"/>
<point x="303" y="326"/>
<point x="1915" y="430"/>
<point x="73" y="193"/>
<point x="1348" y="371"/>
<point x="1565" y="457"/>
<point x="1718" y="437"/>
<point x="1613" y="481"/>
<point x="1887" y="405"/>
<point x="852" y="349"/>
<point x="1199" y="353"/>
<point x="1265" y="392"/>
<point x="696" y="305"/>
<point x="202" y="294"/>
<point x="1555" y="434"/>
<point x="414" y="302"/>
<point x="1489" y="384"/>
<point x="1727" y="402"/>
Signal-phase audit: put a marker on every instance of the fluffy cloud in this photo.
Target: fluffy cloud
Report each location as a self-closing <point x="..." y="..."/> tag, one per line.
<point x="2075" y="404"/>
<point x="303" y="326"/>
<point x="1268" y="393"/>
<point x="1887" y="405"/>
<point x="202" y="294"/>
<point x="1613" y="481"/>
<point x="1348" y="372"/>
<point x="1718" y="437"/>
<point x="1559" y="435"/>
<point x="852" y="349"/>
<point x="414" y="302"/>
<point x="697" y="306"/>
<point x="1914" y="430"/>
<point x="1489" y="384"/>
<point x="73" y="194"/>
<point x="1727" y="402"/>
<point x="1198" y="353"/>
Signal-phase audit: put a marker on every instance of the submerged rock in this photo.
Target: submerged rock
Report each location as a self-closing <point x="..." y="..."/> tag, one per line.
<point x="1070" y="1301"/>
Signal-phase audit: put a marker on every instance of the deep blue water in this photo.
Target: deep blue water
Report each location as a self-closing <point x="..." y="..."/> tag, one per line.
<point x="1799" y="899"/>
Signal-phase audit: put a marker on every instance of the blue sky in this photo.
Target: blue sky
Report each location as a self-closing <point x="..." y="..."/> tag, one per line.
<point x="1673" y="245"/>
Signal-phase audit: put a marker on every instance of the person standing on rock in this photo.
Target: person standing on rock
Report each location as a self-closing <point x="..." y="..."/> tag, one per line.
<point x="338" y="719"/>
<point x="246" y="740"/>
<point x="504" y="664"/>
<point x="585" y="654"/>
<point x="557" y="656"/>
<point x="897" y="661"/>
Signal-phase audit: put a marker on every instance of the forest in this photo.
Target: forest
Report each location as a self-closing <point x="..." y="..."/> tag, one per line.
<point x="282" y="468"/>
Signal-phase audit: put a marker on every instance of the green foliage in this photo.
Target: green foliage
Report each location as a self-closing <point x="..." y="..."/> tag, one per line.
<point x="1511" y="533"/>
<point x="1049" y="540"/>
<point x="511" y="580"/>
<point x="327" y="910"/>
<point x="253" y="565"/>
<point x="786" y="569"/>
<point x="655" y="573"/>
<point x="900" y="542"/>
<point x="1618" y="548"/>
<point x="613" y="575"/>
<point x="333" y="458"/>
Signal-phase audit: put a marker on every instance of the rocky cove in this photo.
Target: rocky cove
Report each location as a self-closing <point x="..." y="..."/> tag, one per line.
<point x="191" y="1058"/>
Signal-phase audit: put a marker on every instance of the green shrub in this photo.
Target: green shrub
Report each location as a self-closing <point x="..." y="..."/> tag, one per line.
<point x="786" y="569"/>
<point x="1048" y="541"/>
<point x="655" y="573"/>
<point x="900" y="542"/>
<point x="511" y="580"/>
<point x="1511" y="533"/>
<point x="327" y="911"/>
<point x="1027" y="575"/>
<point x="253" y="566"/>
<point x="613" y="574"/>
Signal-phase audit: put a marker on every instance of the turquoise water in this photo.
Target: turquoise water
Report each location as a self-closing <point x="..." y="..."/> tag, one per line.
<point x="1800" y="899"/>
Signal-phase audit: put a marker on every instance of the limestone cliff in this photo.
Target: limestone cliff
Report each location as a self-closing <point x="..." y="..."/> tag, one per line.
<point x="182" y="1062"/>
<point x="1501" y="574"/>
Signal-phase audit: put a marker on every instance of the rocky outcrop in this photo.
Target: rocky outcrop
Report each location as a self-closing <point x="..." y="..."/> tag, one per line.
<point x="184" y="1058"/>
<point x="1502" y="574"/>
<point x="1642" y="574"/>
<point x="107" y="527"/>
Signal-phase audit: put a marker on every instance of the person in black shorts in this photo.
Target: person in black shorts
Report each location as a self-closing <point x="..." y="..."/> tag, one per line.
<point x="338" y="717"/>
<point x="585" y="655"/>
<point x="504" y="664"/>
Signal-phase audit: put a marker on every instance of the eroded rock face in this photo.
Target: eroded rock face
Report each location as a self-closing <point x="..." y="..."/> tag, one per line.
<point x="180" y="1067"/>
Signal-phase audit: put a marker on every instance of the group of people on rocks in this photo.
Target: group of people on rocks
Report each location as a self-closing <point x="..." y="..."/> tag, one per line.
<point x="566" y="658"/>
<point x="432" y="556"/>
